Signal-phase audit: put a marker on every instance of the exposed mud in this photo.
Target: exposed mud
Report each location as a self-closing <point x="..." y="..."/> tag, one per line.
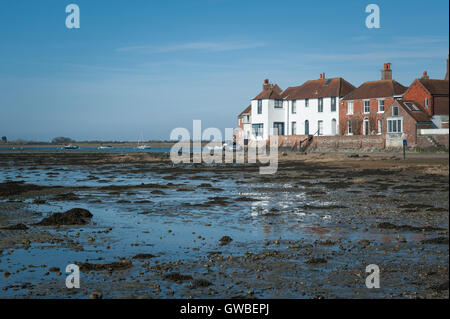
<point x="140" y="227"/>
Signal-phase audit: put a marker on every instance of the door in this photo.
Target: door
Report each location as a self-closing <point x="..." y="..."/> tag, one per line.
<point x="366" y="127"/>
<point x="333" y="127"/>
<point x="319" y="128"/>
<point x="306" y="127"/>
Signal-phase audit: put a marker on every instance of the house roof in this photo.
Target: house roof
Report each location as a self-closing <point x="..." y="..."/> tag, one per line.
<point x="273" y="92"/>
<point x="376" y="89"/>
<point x="319" y="88"/>
<point x="435" y="87"/>
<point x="247" y="110"/>
<point x="415" y="110"/>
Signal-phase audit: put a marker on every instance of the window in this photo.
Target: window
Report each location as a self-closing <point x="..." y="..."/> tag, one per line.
<point x="278" y="104"/>
<point x="259" y="106"/>
<point x="380" y="128"/>
<point x="395" y="111"/>
<point x="394" y="125"/>
<point x="349" y="127"/>
<point x="306" y="102"/>
<point x="366" y="106"/>
<point x="320" y="108"/>
<point x="257" y="129"/>
<point x="246" y="118"/>
<point x="380" y="106"/>
<point x="427" y="102"/>
<point x="350" y="107"/>
<point x="294" y="107"/>
<point x="319" y="128"/>
<point x="294" y="128"/>
<point x="333" y="104"/>
<point x="278" y="128"/>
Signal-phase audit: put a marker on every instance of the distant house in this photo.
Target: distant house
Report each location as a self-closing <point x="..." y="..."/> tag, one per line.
<point x="432" y="96"/>
<point x="308" y="109"/>
<point x="267" y="112"/>
<point x="244" y="123"/>
<point x="362" y="110"/>
<point x="313" y="107"/>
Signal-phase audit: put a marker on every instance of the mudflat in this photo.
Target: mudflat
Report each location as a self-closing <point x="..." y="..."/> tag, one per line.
<point x="140" y="227"/>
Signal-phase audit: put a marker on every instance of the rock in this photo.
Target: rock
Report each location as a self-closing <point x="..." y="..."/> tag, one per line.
<point x="317" y="261"/>
<point x="437" y="240"/>
<point x="121" y="265"/>
<point x="16" y="227"/>
<point x="96" y="295"/>
<point x="200" y="283"/>
<point x="54" y="269"/>
<point x="144" y="256"/>
<point x="225" y="240"/>
<point x="364" y="242"/>
<point x="75" y="216"/>
<point x="177" y="277"/>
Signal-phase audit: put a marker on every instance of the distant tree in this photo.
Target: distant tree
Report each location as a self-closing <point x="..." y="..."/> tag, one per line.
<point x="62" y="140"/>
<point x="4" y="139"/>
<point x="356" y="124"/>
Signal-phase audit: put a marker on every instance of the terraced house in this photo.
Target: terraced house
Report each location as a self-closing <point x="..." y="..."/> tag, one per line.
<point x="309" y="109"/>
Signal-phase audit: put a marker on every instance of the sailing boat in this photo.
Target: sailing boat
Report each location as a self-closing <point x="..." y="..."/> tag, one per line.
<point x="141" y="145"/>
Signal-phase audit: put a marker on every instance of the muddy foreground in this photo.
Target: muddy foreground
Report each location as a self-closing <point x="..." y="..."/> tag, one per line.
<point x="139" y="227"/>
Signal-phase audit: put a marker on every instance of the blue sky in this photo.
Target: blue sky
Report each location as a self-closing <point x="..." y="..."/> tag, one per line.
<point x="150" y="66"/>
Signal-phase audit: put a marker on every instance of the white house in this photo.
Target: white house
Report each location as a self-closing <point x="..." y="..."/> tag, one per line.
<point x="309" y="109"/>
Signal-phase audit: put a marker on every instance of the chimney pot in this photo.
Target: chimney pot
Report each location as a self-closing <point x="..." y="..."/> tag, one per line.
<point x="386" y="73"/>
<point x="266" y="81"/>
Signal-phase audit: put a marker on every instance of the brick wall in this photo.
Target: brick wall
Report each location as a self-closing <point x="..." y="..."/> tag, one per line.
<point x="348" y="142"/>
<point x="417" y="93"/>
<point x="425" y="141"/>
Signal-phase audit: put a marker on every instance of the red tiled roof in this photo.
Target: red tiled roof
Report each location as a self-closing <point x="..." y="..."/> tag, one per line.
<point x="376" y="89"/>
<point x="319" y="88"/>
<point x="272" y="93"/>
<point x="415" y="110"/>
<point x="435" y="87"/>
<point x="247" y="110"/>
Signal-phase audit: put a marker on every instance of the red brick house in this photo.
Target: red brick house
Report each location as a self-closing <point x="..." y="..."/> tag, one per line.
<point x="361" y="111"/>
<point x="432" y="96"/>
<point x="401" y="120"/>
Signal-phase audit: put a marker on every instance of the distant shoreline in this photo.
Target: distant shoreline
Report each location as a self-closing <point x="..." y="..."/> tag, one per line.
<point x="93" y="144"/>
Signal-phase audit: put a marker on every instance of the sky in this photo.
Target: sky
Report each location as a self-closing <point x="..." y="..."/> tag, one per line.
<point x="147" y="67"/>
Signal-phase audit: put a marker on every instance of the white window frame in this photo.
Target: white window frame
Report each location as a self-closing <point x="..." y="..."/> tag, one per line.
<point x="384" y="105"/>
<point x="348" y="107"/>
<point x="259" y="107"/>
<point x="320" y="105"/>
<point x="335" y="104"/>
<point x="390" y="126"/>
<point x="294" y="107"/>
<point x="306" y="102"/>
<point x="364" y="106"/>
<point x="396" y="108"/>
<point x="278" y="104"/>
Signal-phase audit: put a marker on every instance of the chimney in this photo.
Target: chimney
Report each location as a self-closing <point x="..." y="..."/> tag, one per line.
<point x="386" y="73"/>
<point x="321" y="76"/>
<point x="425" y="75"/>
<point x="446" y="74"/>
<point x="266" y="84"/>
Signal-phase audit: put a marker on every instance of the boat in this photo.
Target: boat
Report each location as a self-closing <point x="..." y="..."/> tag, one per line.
<point x="104" y="147"/>
<point x="142" y="146"/>
<point x="71" y="147"/>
